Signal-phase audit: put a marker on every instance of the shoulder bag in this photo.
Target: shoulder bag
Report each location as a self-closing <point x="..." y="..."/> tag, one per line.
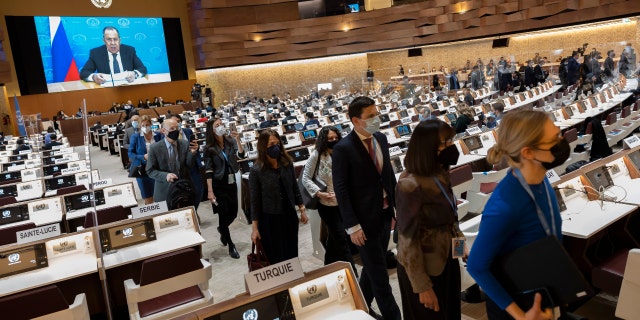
<point x="309" y="201"/>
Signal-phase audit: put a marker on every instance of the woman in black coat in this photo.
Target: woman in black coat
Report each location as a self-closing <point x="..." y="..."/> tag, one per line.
<point x="274" y="196"/>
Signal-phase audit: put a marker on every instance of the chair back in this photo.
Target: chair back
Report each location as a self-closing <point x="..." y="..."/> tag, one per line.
<point x="105" y="216"/>
<point x="571" y="135"/>
<point x="8" y="235"/>
<point x="169" y="265"/>
<point x="22" y="305"/>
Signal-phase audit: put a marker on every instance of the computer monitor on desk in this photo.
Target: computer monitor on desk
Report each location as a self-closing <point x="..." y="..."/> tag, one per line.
<point x="599" y="179"/>
<point x="13" y="214"/>
<point x="299" y="154"/>
<point x="403" y="130"/>
<point x="125" y="235"/>
<point x="309" y="134"/>
<point x="83" y="200"/>
<point x="471" y="144"/>
<point x="23" y="259"/>
<point x="59" y="182"/>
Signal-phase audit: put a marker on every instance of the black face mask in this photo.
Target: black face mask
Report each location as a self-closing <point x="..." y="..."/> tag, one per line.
<point x="274" y="151"/>
<point x="449" y="155"/>
<point x="560" y="152"/>
<point x="331" y="144"/>
<point x="173" y="135"/>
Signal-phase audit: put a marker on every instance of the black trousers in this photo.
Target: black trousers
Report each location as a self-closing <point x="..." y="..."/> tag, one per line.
<point x="279" y="235"/>
<point x="227" y="208"/>
<point x="374" y="279"/>
<point x="337" y="246"/>
<point x="447" y="289"/>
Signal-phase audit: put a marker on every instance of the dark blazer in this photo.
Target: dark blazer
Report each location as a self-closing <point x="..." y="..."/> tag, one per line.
<point x="215" y="163"/>
<point x="573" y="71"/>
<point x="158" y="166"/>
<point x="137" y="150"/>
<point x="264" y="187"/>
<point x="99" y="61"/>
<point x="357" y="183"/>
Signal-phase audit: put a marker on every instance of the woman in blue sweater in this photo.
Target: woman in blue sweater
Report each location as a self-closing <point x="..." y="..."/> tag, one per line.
<point x="522" y="209"/>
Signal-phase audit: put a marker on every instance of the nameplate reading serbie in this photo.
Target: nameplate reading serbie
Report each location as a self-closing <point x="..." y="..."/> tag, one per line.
<point x="553" y="176"/>
<point x="473" y="131"/>
<point x="274" y="275"/>
<point x="631" y="142"/>
<point x="101" y="183"/>
<point x="39" y="233"/>
<point x="149" y="210"/>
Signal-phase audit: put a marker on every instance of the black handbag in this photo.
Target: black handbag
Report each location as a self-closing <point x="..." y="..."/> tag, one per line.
<point x="138" y="171"/>
<point x="309" y="201"/>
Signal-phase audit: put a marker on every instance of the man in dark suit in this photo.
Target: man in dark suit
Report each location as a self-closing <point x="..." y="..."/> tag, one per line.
<point x="112" y="58"/>
<point x="169" y="159"/>
<point x="365" y="185"/>
<point x="573" y="68"/>
<point x="194" y="171"/>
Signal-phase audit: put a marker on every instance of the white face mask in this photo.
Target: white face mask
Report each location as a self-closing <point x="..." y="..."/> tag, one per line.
<point x="145" y="130"/>
<point x="372" y="125"/>
<point x="221" y="130"/>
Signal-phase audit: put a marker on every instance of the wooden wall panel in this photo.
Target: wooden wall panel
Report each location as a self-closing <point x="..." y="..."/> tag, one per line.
<point x="5" y="68"/>
<point x="250" y="41"/>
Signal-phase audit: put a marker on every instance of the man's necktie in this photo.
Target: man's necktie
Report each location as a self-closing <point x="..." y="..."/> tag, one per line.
<point x="372" y="154"/>
<point x="116" y="66"/>
<point x="172" y="158"/>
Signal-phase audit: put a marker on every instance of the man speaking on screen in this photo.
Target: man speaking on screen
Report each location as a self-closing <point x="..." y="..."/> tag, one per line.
<point x="112" y="61"/>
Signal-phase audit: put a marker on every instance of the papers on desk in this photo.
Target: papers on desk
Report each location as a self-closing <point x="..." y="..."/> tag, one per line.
<point x="120" y="79"/>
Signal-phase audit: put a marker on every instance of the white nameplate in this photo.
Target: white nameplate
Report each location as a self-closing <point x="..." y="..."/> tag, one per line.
<point x="57" y="147"/>
<point x="312" y="126"/>
<point x="63" y="151"/>
<point x="631" y="142"/>
<point x="553" y="176"/>
<point x="39" y="233"/>
<point x="406" y="120"/>
<point x="24" y="152"/>
<point x="473" y="131"/>
<point x="451" y="110"/>
<point x="101" y="183"/>
<point x="394" y="151"/>
<point x="72" y="170"/>
<point x="29" y="175"/>
<point x="548" y="108"/>
<point x="16" y="168"/>
<point x="149" y="210"/>
<point x="274" y="275"/>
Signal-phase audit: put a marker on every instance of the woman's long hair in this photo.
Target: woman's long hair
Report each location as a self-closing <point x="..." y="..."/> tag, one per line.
<point x="422" y="154"/>
<point x="321" y="141"/>
<point x="263" y="140"/>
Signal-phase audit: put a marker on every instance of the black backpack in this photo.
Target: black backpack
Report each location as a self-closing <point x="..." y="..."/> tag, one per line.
<point x="181" y="194"/>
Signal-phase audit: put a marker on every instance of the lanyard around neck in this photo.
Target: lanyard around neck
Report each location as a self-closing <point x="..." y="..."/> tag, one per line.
<point x="452" y="202"/>
<point x="541" y="217"/>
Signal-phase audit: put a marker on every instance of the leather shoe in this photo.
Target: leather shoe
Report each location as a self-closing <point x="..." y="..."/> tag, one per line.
<point x="233" y="253"/>
<point x="472" y="295"/>
<point x="222" y="239"/>
<point x="375" y="315"/>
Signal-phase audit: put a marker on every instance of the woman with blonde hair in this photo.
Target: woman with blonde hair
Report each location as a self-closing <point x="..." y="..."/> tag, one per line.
<point x="522" y="209"/>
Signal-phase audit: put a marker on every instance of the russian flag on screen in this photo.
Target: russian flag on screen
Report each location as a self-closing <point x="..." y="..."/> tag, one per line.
<point x="64" y="65"/>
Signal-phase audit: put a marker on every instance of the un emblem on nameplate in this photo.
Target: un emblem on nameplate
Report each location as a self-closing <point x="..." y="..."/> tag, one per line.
<point x="102" y="3"/>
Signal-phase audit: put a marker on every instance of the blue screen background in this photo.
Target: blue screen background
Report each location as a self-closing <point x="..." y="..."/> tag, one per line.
<point x="146" y="35"/>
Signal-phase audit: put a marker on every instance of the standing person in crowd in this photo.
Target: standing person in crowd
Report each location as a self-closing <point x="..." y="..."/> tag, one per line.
<point x="138" y="147"/>
<point x="365" y="184"/>
<point x="169" y="159"/>
<point x="274" y="196"/>
<point x="454" y="84"/>
<point x="221" y="154"/>
<point x="465" y="117"/>
<point x="624" y="65"/>
<point x="130" y="128"/>
<point x="401" y="70"/>
<point x="522" y="209"/>
<point x="609" y="64"/>
<point x="186" y="134"/>
<point x="573" y="68"/>
<point x="428" y="269"/>
<point x="529" y="76"/>
<point x="337" y="247"/>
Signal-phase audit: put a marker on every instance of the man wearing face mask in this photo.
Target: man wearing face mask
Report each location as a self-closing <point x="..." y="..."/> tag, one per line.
<point x="131" y="128"/>
<point x="364" y="184"/>
<point x="194" y="172"/>
<point x="169" y="159"/>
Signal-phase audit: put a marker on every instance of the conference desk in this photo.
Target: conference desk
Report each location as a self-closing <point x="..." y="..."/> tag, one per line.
<point x="81" y="84"/>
